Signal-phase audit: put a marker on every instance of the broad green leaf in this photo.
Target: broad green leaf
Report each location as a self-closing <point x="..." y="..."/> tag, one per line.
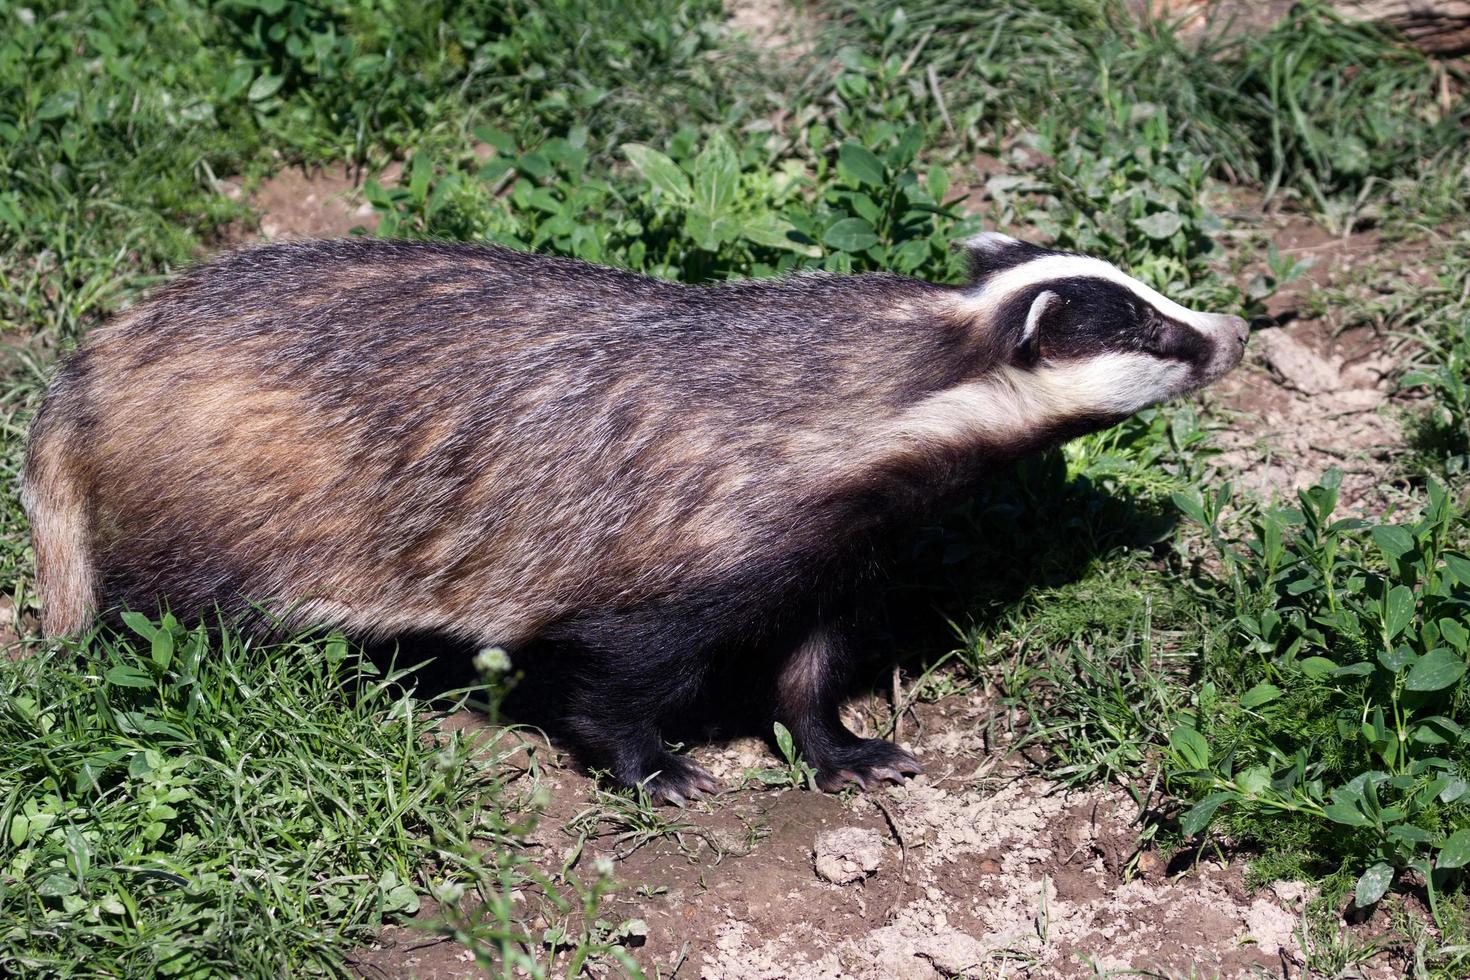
<point x="140" y="624"/>
<point x="1410" y="834"/>
<point x="937" y="183"/>
<point x="850" y="235"/>
<point x="502" y="141"/>
<point x="1373" y="884"/>
<point x="1435" y="671"/>
<point x="420" y="172"/>
<point x="1262" y="693"/>
<point x="534" y="164"/>
<point x="1458" y="567"/>
<point x="784" y="741"/>
<point x="1455" y="851"/>
<point x="1200" y="815"/>
<point x="1190" y="504"/>
<point x="1340" y="812"/>
<point x="56" y="885"/>
<point x="123" y="676"/>
<point x="660" y="171"/>
<point x="1455" y="634"/>
<point x="1397" y="659"/>
<point x="709" y="232"/>
<point x="163" y="649"/>
<point x="265" y="86"/>
<point x="1354" y="670"/>
<point x="1254" y="781"/>
<point x="401" y="899"/>
<point x="1317" y="667"/>
<point x="1398" y="610"/>
<point x="1191" y="747"/>
<point x="1159" y="225"/>
<point x="1426" y="735"/>
<point x="716" y="177"/>
<point x="776" y="232"/>
<point x="860" y="163"/>
<point x="1394" y="541"/>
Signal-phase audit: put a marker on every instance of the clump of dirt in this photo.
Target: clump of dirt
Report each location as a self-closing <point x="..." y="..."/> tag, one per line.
<point x="847" y="854"/>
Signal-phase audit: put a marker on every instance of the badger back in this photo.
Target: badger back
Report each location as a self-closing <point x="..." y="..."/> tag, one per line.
<point x="393" y="436"/>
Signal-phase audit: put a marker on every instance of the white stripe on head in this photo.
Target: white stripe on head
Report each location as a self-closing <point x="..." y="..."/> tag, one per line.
<point x="995" y="289"/>
<point x="990" y="242"/>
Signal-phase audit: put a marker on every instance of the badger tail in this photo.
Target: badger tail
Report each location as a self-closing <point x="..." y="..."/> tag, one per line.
<point x="56" y="504"/>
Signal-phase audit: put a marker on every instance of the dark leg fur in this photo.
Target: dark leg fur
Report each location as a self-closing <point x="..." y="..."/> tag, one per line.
<point x="629" y="673"/>
<point x="807" y="698"/>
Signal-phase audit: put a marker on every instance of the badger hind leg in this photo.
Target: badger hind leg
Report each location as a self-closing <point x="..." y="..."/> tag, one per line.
<point x="627" y="673"/>
<point x="808" y="696"/>
<point x="56" y="504"/>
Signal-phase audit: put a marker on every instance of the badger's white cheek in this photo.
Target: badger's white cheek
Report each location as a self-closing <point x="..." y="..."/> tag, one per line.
<point x="1111" y="384"/>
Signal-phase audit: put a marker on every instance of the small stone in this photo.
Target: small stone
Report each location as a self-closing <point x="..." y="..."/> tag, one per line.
<point x="1150" y="864"/>
<point x="847" y="854"/>
<point x="1290" y="892"/>
<point x="1300" y="366"/>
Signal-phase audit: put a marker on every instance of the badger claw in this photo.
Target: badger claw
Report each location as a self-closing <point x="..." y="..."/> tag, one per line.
<point x="868" y="764"/>
<point x="679" y="781"/>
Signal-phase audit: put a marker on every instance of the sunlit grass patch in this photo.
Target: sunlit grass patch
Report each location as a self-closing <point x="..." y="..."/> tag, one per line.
<point x="184" y="803"/>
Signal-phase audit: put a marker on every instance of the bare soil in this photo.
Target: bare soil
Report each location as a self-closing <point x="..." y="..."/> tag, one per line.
<point x="1313" y="394"/>
<point x="323" y="202"/>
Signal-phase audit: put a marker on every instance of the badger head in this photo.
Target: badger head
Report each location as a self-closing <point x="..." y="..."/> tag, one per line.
<point x="1085" y="340"/>
<point x="1071" y="344"/>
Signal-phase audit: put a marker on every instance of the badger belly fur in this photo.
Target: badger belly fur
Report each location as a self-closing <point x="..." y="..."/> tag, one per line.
<point x="394" y="437"/>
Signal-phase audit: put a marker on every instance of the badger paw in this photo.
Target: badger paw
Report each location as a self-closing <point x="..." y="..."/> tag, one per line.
<point x="867" y="764"/>
<point x="678" y="781"/>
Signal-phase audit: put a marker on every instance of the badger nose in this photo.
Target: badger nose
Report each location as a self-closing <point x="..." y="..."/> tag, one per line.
<point x="1239" y="324"/>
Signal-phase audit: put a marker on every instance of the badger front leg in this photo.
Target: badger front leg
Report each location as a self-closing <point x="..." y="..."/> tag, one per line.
<point x="808" y="696"/>
<point x="631" y="672"/>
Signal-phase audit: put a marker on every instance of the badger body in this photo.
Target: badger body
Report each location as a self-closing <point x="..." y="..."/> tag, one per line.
<point x="396" y="437"/>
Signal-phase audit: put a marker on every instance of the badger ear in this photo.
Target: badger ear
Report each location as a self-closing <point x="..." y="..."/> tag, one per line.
<point x="991" y="251"/>
<point x="1028" y="348"/>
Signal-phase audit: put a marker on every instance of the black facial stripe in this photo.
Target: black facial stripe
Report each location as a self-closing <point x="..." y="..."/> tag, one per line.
<point x="1180" y="342"/>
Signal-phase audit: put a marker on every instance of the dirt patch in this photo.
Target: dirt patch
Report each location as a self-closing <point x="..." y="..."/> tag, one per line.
<point x="323" y="202"/>
<point x="979" y="874"/>
<point x="975" y="870"/>
<point x="773" y="25"/>
<point x="402" y="951"/>
<point x="1313" y="394"/>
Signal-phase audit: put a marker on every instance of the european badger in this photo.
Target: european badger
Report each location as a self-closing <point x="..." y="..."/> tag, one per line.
<point x="393" y="437"/>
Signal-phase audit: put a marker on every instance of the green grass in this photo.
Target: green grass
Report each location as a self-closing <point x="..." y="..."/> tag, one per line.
<point x="1317" y="107"/>
<point x="184" y="803"/>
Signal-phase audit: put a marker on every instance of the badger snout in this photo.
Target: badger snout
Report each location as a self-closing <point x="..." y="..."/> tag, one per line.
<point x="1228" y="336"/>
<point x="1240" y="325"/>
